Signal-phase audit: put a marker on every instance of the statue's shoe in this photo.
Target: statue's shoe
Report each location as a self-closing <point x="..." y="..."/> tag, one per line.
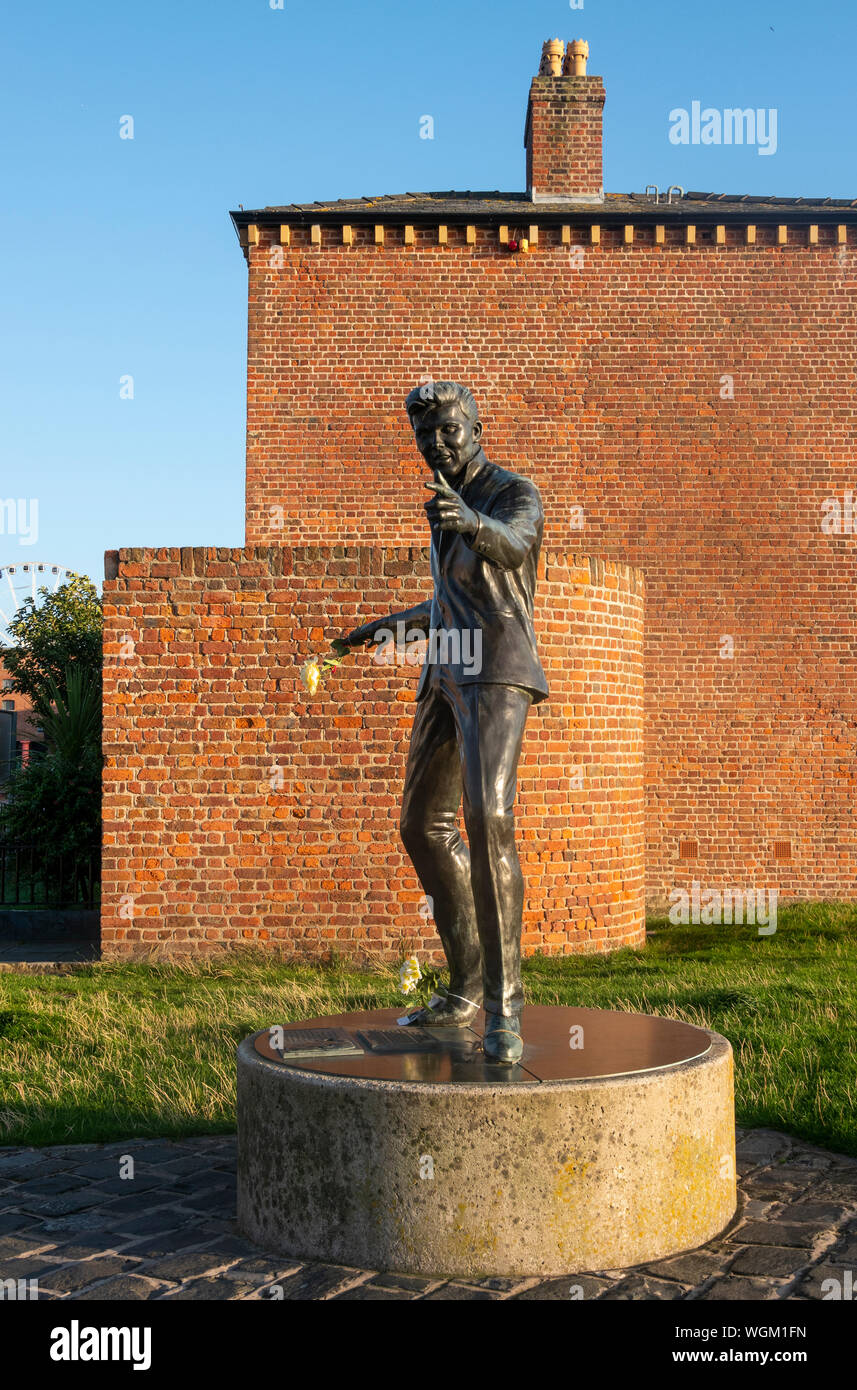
<point x="502" y="1041"/>
<point x="453" y="1011"/>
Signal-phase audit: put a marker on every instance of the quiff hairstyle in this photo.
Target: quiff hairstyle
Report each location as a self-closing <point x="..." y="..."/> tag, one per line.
<point x="431" y="394"/>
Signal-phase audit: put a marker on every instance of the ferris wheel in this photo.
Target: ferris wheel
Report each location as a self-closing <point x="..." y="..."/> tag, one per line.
<point x="23" y="581"/>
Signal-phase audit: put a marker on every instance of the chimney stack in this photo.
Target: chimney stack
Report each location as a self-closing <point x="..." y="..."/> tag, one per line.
<point x="563" y="135"/>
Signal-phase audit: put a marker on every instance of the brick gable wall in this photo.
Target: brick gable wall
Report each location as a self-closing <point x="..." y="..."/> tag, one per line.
<point x="600" y="371"/>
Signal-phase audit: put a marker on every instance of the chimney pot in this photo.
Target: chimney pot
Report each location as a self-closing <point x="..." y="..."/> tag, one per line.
<point x="575" y="58"/>
<point x="552" y="54"/>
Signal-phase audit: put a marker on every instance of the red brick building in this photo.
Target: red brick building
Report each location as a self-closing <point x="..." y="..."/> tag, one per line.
<point x="677" y="374"/>
<point x="26" y="738"/>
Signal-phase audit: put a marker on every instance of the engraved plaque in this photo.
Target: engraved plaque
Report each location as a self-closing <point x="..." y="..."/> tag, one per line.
<point x="319" y="1042"/>
<point x="411" y="1039"/>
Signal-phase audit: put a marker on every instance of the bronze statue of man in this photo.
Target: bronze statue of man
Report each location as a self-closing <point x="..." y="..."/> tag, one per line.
<point x="481" y="674"/>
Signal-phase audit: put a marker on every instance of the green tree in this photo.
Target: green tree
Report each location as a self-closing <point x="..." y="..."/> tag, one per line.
<point x="62" y="633"/>
<point x="55" y="805"/>
<point x="73" y="723"/>
<point x="55" y="801"/>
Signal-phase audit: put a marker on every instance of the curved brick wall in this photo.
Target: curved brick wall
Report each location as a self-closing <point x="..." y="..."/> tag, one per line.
<point x="237" y="810"/>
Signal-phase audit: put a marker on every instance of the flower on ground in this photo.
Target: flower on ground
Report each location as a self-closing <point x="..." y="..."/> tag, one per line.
<point x="409" y="974"/>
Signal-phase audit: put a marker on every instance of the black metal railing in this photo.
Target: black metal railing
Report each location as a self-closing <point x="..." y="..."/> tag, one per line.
<point x="31" y="878"/>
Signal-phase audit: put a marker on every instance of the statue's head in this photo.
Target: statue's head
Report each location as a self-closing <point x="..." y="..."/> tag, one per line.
<point x="446" y="425"/>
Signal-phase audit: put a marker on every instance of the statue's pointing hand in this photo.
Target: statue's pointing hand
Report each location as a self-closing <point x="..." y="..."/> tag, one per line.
<point x="447" y="510"/>
<point x="358" y="638"/>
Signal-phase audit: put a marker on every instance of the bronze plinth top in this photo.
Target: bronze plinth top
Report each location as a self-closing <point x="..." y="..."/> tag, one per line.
<point x="560" y="1044"/>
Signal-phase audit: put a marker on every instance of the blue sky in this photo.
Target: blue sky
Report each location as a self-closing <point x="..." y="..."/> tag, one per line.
<point x="118" y="256"/>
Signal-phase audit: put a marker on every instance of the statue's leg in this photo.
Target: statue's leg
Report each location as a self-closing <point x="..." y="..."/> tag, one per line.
<point x="430" y="804"/>
<point x="491" y="721"/>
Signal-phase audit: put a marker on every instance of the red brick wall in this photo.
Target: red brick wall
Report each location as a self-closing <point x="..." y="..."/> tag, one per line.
<point x="598" y="370"/>
<point x="238" y="810"/>
<point x="563" y="136"/>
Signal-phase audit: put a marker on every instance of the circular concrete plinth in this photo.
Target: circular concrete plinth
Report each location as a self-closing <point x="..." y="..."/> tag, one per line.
<point x="439" y="1162"/>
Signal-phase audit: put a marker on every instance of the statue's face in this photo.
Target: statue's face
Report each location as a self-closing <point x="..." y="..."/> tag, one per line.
<point x="447" y="438"/>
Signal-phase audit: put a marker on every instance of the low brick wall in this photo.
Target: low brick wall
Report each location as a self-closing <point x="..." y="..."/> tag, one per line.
<point x="238" y="810"/>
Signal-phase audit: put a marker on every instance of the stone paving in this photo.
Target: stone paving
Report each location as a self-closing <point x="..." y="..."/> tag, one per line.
<point x="47" y="958"/>
<point x="71" y="1223"/>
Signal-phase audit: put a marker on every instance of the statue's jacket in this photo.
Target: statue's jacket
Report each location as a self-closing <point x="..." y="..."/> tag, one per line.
<point x="484" y="585"/>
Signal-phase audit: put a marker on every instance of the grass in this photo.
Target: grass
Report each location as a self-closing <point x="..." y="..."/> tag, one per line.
<point x="105" y="1052"/>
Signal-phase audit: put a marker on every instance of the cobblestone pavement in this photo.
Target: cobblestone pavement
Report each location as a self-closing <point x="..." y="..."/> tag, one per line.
<point x="69" y="1222"/>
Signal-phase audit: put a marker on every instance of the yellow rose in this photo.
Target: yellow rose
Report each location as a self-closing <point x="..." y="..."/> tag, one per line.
<point x="310" y="676"/>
